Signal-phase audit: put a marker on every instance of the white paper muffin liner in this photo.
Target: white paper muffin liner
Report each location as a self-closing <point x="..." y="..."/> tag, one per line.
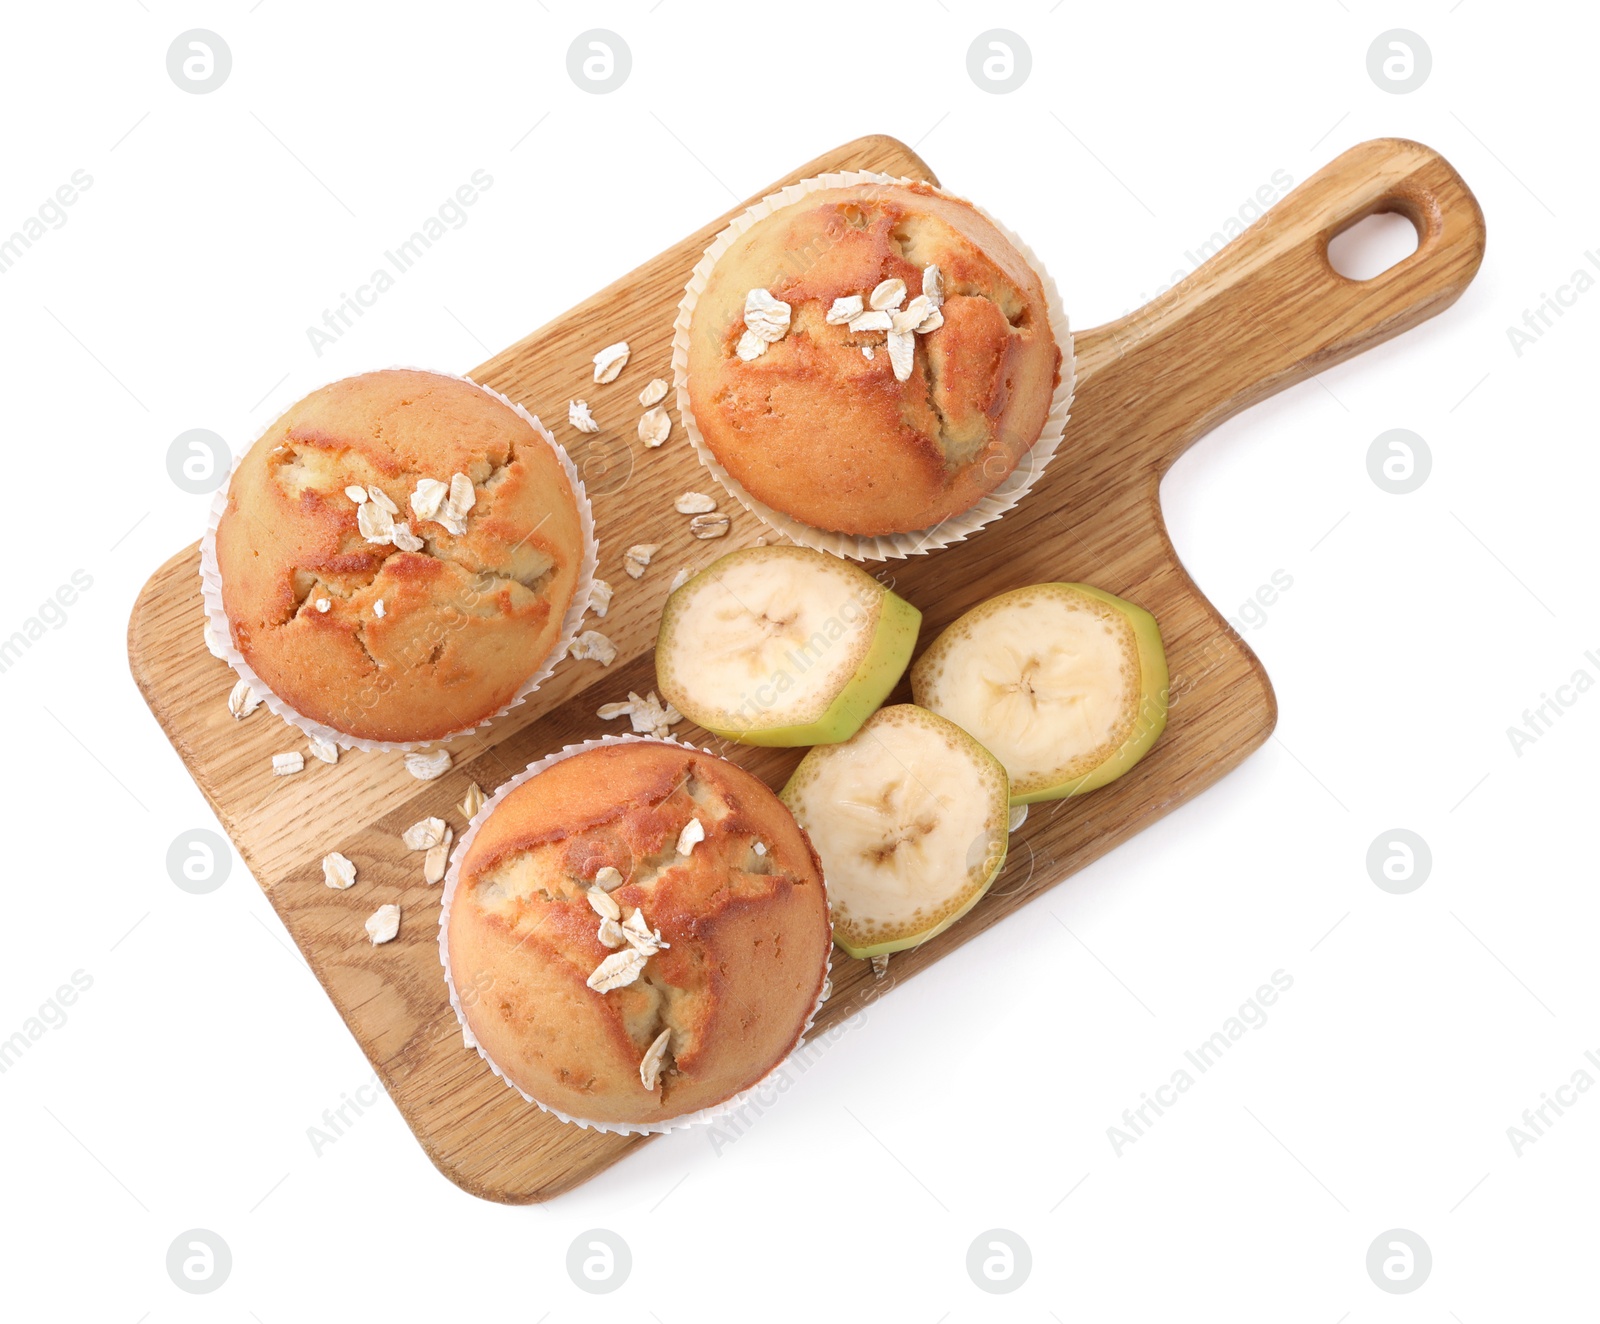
<point x="463" y="844"/>
<point x="894" y="546"/>
<point x="222" y="633"/>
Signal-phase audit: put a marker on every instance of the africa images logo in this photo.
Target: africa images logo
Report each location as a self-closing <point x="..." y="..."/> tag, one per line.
<point x="1251" y="1015"/>
<point x="50" y="615"/>
<point x="51" y="215"/>
<point x="51" y="1015"/>
<point x="450" y="215"/>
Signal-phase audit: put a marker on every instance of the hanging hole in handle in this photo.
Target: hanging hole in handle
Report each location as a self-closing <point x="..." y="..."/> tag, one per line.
<point x="1367" y="248"/>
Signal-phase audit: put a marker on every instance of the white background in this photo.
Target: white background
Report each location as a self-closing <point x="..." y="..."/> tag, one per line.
<point x="219" y="227"/>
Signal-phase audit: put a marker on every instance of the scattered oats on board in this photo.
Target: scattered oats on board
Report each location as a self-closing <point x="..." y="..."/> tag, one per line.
<point x="653" y="393"/>
<point x="600" y="593"/>
<point x="679" y="579"/>
<point x="579" y="416"/>
<point x="656" y="715"/>
<point x="426" y="766"/>
<point x="693" y="831"/>
<point x="424" y="834"/>
<point x="286" y="765"/>
<point x="1019" y="815"/>
<point x="650" y="1063"/>
<point x="592" y="646"/>
<point x="337" y="871"/>
<point x="472" y="802"/>
<point x="880" y="966"/>
<point x="695" y="503"/>
<point x="609" y="878"/>
<point x="887" y="294"/>
<point x="651" y="717"/>
<point x="648" y="716"/>
<point x="604" y="904"/>
<point x="610" y="934"/>
<point x="845" y="308"/>
<point x="325" y="750"/>
<point x="242" y="700"/>
<point x="437" y="860"/>
<point x="709" y="526"/>
<point x="610" y="361"/>
<point x="655" y="426"/>
<point x="637" y="557"/>
<point x="356" y="493"/>
<point x="383" y="924"/>
<point x="617" y="970"/>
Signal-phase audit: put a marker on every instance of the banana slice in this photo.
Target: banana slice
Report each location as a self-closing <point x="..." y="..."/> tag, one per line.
<point x="783" y="646"/>
<point x="909" y="818"/>
<point x="1066" y="684"/>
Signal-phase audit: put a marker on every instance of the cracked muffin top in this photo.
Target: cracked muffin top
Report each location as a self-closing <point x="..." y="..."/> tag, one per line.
<point x="637" y="932"/>
<point x="397" y="555"/>
<point x="885" y="415"/>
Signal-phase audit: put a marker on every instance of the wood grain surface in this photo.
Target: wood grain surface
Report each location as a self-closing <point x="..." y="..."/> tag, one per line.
<point x="1265" y="312"/>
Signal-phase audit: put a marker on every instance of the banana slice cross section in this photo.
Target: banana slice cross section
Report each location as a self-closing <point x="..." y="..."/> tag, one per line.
<point x="1065" y="683"/>
<point x="783" y="646"/>
<point x="909" y="817"/>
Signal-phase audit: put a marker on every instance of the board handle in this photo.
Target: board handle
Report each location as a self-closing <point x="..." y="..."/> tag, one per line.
<point x="1269" y="310"/>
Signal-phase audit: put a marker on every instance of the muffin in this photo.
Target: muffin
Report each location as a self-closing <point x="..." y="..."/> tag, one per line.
<point x="616" y="965"/>
<point x="397" y="555"/>
<point x="894" y="419"/>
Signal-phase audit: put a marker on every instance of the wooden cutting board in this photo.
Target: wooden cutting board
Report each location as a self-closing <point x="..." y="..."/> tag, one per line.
<point x="1265" y="312"/>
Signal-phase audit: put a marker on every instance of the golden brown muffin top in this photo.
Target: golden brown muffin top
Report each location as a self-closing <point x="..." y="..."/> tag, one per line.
<point x="746" y="931"/>
<point x="818" y="430"/>
<point x="466" y="616"/>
